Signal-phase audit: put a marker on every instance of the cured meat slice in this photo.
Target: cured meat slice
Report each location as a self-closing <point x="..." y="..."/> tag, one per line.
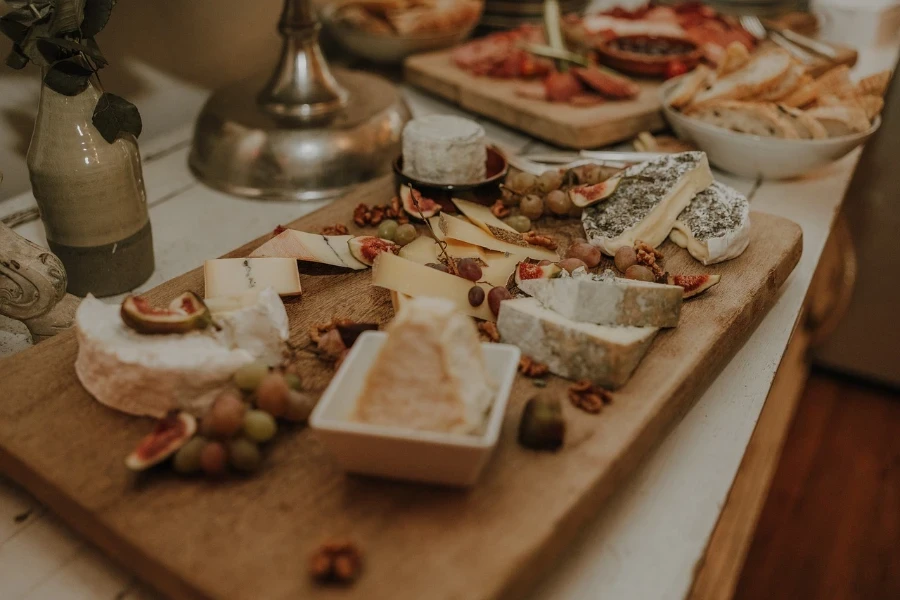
<point x="562" y="87"/>
<point x="607" y="83"/>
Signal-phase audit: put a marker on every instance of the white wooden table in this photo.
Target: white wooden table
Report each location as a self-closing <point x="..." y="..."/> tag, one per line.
<point x="645" y="541"/>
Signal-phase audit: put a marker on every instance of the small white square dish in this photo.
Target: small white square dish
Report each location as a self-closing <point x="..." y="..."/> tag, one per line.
<point x="397" y="453"/>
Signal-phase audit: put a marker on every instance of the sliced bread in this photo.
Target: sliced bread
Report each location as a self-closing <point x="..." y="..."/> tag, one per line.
<point x="807" y="127"/>
<point x="763" y="73"/>
<point x="873" y="105"/>
<point x="753" y="118"/>
<point x="736" y="56"/>
<point x="690" y="84"/>
<point x="804" y="95"/>
<point x="836" y="82"/>
<point x="795" y="78"/>
<point x="874" y="85"/>
<point x="840" y="120"/>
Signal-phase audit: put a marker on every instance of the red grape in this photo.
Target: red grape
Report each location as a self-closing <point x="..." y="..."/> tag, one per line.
<point x="476" y="295"/>
<point x="495" y="297"/>
<point x="469" y="269"/>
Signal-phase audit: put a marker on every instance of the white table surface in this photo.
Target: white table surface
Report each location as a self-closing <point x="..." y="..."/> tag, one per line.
<point x="645" y="541"/>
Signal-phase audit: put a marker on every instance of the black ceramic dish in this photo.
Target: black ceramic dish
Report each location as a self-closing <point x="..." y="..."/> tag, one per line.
<point x="486" y="191"/>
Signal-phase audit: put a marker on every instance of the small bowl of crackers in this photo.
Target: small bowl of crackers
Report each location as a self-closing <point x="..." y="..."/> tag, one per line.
<point x="763" y="115"/>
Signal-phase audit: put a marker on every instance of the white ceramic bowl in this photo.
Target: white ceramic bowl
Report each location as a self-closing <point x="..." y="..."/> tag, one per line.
<point x="398" y="453"/>
<point x="754" y="156"/>
<point x="388" y="49"/>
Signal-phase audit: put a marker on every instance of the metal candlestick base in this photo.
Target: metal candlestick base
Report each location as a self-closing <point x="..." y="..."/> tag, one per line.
<point x="306" y="134"/>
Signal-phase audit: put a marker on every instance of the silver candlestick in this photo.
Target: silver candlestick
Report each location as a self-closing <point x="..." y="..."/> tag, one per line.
<point x="306" y="132"/>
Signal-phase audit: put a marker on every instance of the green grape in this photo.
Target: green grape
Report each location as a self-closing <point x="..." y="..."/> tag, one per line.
<point x="259" y="426"/>
<point x="549" y="181"/>
<point x="248" y="377"/>
<point x="244" y="455"/>
<point x="522" y="181"/>
<point x="405" y="234"/>
<point x="387" y="229"/>
<point x="293" y="381"/>
<point x="532" y="206"/>
<point x="300" y="405"/>
<point x="187" y="459"/>
<point x="520" y="223"/>
<point x="559" y="203"/>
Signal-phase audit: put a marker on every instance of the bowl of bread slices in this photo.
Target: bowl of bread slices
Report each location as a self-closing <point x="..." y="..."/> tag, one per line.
<point x="387" y="31"/>
<point x="763" y="115"/>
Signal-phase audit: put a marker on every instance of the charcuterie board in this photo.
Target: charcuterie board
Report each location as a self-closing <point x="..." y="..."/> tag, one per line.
<point x="250" y="537"/>
<point x="566" y="126"/>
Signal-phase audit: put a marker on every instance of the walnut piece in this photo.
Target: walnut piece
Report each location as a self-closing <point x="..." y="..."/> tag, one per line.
<point x="531" y="368"/>
<point x="317" y="331"/>
<point x="337" y="561"/>
<point x="588" y="397"/>
<point x="336" y="229"/>
<point x="361" y="215"/>
<point x="499" y="210"/>
<point x="366" y="216"/>
<point x="489" y="331"/>
<point x="536" y="239"/>
<point x="650" y="257"/>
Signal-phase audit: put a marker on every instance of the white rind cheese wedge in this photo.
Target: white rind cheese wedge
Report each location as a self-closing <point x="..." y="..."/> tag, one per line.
<point x="152" y="374"/>
<point x="430" y="374"/>
<point x="606" y="356"/>
<point x="607" y="299"/>
<point x="237" y="276"/>
<point x="312" y="247"/>
<point x="457" y="229"/>
<point x="406" y="277"/>
<point x="715" y="226"/>
<point x="444" y="149"/>
<point x="647" y="201"/>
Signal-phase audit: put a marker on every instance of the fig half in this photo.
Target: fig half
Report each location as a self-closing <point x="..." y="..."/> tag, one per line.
<point x="365" y="248"/>
<point x="587" y="195"/>
<point x="186" y="313"/>
<point x="171" y="433"/>
<point x="526" y="270"/>
<point x="416" y="205"/>
<point x="693" y="285"/>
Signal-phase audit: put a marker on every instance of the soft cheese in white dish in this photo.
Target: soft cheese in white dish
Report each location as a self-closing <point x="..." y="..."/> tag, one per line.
<point x="607" y="300"/>
<point x="430" y="374"/>
<point x="715" y="226"/>
<point x="152" y="374"/>
<point x="444" y="149"/>
<point x="605" y="355"/>
<point x="647" y="201"/>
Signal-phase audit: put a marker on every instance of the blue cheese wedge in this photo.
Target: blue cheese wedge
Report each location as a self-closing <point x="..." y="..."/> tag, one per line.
<point x="430" y="374"/>
<point x="715" y="226"/>
<point x="236" y="276"/>
<point x="606" y="356"/>
<point x="607" y="300"/>
<point x="152" y="374"/>
<point x="444" y="149"/>
<point x="647" y="201"/>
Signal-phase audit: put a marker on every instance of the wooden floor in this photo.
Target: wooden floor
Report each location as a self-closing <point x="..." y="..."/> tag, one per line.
<point x="830" y="528"/>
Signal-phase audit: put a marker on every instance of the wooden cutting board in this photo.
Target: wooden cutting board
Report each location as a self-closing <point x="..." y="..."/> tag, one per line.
<point x="558" y="123"/>
<point x="250" y="537"/>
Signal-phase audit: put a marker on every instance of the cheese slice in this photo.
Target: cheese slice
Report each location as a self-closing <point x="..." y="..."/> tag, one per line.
<point x="237" y="276"/>
<point x="496" y="268"/>
<point x="647" y="201"/>
<point x="430" y="374"/>
<point x="715" y="226"/>
<point x="406" y="277"/>
<point x="423" y="250"/>
<point x="607" y="299"/>
<point x="458" y="229"/>
<point x="311" y="247"/>
<point x="481" y="216"/>
<point x="604" y="355"/>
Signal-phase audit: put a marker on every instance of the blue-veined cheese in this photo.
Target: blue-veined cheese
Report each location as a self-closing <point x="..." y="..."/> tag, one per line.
<point x="236" y="276"/>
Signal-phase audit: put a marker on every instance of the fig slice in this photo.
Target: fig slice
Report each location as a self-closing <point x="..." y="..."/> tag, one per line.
<point x="170" y="433"/>
<point x="186" y="313"/>
<point x="587" y="195"/>
<point x="526" y="270"/>
<point x="693" y="285"/>
<point x="416" y="205"/>
<point x="365" y="248"/>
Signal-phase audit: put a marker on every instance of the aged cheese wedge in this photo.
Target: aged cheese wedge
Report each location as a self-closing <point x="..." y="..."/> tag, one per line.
<point x="715" y="226"/>
<point x="607" y="299"/>
<point x="604" y="355"/>
<point x="153" y="374"/>
<point x="236" y="276"/>
<point x="458" y="229"/>
<point x="411" y="279"/>
<point x="312" y="247"/>
<point x="430" y="374"/>
<point x="647" y="201"/>
<point x="422" y="250"/>
<point x="481" y="216"/>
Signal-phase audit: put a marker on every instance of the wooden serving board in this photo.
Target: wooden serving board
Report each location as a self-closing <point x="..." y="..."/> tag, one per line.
<point x="250" y="537"/>
<point x="558" y="123"/>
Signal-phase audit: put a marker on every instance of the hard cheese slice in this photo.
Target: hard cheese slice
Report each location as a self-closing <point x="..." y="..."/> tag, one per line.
<point x="237" y="276"/>
<point x="312" y="247"/>
<point x="608" y="300"/>
<point x="604" y="355"/>
<point x="482" y="217"/>
<point x="411" y="279"/>
<point x="457" y="229"/>
<point x="647" y="201"/>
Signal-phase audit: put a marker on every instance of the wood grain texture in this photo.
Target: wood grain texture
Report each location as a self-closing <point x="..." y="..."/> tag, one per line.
<point x="250" y="537"/>
<point x="560" y="124"/>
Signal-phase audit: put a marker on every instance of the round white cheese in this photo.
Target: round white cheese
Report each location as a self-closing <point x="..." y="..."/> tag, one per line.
<point x="444" y="149"/>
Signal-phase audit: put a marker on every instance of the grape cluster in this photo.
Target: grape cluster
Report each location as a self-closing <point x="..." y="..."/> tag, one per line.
<point x="537" y="196"/>
<point x="394" y="232"/>
<point x="470" y="269"/>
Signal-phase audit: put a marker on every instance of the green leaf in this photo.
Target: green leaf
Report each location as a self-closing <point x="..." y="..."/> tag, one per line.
<point x="67" y="17"/>
<point x="114" y="116"/>
<point x="16" y="58"/>
<point x="95" y="53"/>
<point x="68" y="77"/>
<point x="54" y="49"/>
<point x="15" y="26"/>
<point x="96" y="15"/>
